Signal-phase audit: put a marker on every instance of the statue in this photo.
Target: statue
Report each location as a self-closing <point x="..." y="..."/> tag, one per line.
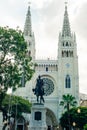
<point x="39" y="90"/>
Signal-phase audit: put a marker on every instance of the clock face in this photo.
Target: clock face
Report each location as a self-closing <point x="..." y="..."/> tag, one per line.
<point x="67" y="65"/>
<point x="48" y="86"/>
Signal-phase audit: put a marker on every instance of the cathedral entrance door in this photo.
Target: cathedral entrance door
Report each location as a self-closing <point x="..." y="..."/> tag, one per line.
<point x="51" y="120"/>
<point x="20" y="124"/>
<point x="20" y="127"/>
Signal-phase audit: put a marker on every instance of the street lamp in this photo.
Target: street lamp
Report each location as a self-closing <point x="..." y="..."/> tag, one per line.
<point x="78" y="110"/>
<point x="16" y="118"/>
<point x="57" y="127"/>
<point x="74" y="124"/>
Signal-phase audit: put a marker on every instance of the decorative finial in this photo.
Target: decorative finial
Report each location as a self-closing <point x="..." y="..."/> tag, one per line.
<point x="66" y="3"/>
<point x="29" y="13"/>
<point x="29" y="3"/>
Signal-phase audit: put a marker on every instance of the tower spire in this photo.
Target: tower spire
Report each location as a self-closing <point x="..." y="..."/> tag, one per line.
<point x="66" y="26"/>
<point x="28" y="27"/>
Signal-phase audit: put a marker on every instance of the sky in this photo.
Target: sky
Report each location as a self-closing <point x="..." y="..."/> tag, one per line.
<point x="47" y="22"/>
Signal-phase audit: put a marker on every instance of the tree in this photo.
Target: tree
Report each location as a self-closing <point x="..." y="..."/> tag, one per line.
<point x="14" y="106"/>
<point x="85" y="127"/>
<point x="68" y="101"/>
<point x="79" y="118"/>
<point x="11" y="103"/>
<point x="15" y="64"/>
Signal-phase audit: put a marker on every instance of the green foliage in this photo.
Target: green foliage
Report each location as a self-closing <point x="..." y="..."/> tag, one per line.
<point x="16" y="105"/>
<point x="15" y="63"/>
<point x="85" y="127"/>
<point x="80" y="118"/>
<point x="68" y="101"/>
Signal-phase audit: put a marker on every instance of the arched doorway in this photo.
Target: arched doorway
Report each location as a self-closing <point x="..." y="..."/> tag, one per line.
<point x="51" y="120"/>
<point x="20" y="124"/>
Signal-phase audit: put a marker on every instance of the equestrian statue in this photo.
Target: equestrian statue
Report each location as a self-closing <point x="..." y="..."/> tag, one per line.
<point x="39" y="90"/>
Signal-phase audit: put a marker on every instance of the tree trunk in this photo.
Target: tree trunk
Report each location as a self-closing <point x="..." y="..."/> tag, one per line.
<point x="5" y="125"/>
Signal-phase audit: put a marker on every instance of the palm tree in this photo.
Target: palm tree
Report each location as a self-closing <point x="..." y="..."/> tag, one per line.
<point x="68" y="101"/>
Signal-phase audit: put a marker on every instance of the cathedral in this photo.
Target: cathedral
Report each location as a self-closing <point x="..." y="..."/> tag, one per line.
<point x="60" y="76"/>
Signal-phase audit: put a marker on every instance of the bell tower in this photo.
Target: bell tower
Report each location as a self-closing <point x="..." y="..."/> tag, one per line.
<point x="68" y="79"/>
<point x="29" y="35"/>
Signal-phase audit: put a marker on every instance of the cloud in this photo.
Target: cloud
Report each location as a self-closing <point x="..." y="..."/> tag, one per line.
<point x="51" y="18"/>
<point x="81" y="21"/>
<point x="47" y="21"/>
<point x="39" y="3"/>
<point x="47" y="27"/>
<point x="80" y="25"/>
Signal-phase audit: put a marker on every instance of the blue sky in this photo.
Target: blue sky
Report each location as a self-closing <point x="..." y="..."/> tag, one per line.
<point x="47" y="21"/>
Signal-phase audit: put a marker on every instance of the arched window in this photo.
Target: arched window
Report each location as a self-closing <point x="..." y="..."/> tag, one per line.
<point x="29" y="43"/>
<point x="46" y="68"/>
<point x="67" y="44"/>
<point x="29" y="53"/>
<point x="62" y="53"/>
<point x="67" y="54"/>
<point x="63" y="43"/>
<point x="72" y="53"/>
<point x="67" y="82"/>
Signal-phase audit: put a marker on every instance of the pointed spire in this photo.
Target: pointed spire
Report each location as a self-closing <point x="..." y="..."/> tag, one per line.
<point x="27" y="27"/>
<point x="66" y="26"/>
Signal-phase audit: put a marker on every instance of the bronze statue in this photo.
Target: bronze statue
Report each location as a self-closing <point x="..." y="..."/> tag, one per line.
<point x="39" y="90"/>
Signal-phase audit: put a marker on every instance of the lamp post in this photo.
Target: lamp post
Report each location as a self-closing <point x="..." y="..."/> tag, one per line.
<point x="16" y="118"/>
<point x="57" y="127"/>
<point x="9" y="115"/>
<point x="78" y="111"/>
<point x="74" y="124"/>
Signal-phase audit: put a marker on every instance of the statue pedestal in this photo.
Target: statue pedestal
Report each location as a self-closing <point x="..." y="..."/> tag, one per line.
<point x="38" y="117"/>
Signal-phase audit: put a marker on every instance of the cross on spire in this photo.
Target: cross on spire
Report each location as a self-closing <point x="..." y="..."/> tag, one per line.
<point x="66" y="3"/>
<point x="29" y="3"/>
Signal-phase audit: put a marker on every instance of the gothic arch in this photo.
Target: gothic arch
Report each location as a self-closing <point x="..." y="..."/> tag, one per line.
<point x="62" y="53"/>
<point x="20" y="123"/>
<point x="29" y="53"/>
<point x="63" y="43"/>
<point x="67" y="44"/>
<point x="67" y="81"/>
<point x="67" y="54"/>
<point x="51" y="120"/>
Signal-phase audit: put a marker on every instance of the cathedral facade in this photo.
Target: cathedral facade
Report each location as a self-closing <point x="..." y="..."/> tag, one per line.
<point x="60" y="76"/>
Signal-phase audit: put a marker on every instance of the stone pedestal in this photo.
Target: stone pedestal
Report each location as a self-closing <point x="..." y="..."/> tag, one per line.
<point x="38" y="117"/>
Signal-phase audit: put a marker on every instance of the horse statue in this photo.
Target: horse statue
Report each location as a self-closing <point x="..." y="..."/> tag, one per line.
<point x="39" y="90"/>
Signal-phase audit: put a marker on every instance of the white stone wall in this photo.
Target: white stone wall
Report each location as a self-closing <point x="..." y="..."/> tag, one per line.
<point x="56" y="70"/>
<point x="58" y="77"/>
<point x="1" y="121"/>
